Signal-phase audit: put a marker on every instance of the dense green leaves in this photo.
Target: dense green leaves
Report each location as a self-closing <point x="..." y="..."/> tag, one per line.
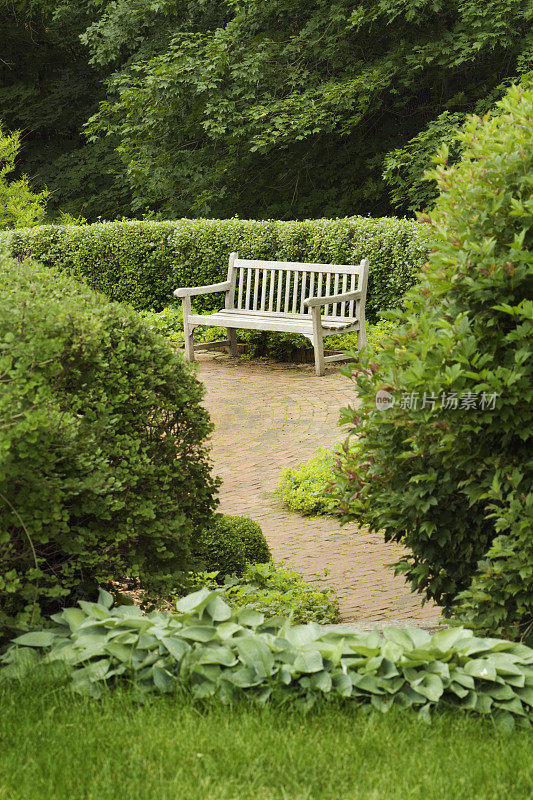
<point x="227" y="543"/>
<point x="141" y="263"/>
<point x="19" y="206"/>
<point x="104" y="469"/>
<point x="216" y="651"/>
<point x="261" y="108"/>
<point x="275" y="588"/>
<point x="447" y="468"/>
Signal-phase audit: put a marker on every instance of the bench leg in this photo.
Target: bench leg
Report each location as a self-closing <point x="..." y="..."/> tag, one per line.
<point x="318" y="342"/>
<point x="361" y="335"/>
<point x="188" y="330"/>
<point x="232" y="339"/>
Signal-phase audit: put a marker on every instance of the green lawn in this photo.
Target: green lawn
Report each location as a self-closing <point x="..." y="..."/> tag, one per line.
<point x="56" y="746"/>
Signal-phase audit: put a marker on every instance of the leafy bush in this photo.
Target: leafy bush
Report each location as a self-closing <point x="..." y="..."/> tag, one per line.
<point x="276" y="589"/>
<point x="305" y="487"/>
<point x="104" y="470"/>
<point x="255" y="545"/>
<point x="18" y="204"/>
<point x="219" y="652"/>
<point x="143" y="262"/>
<point x="228" y="542"/>
<point x="451" y="478"/>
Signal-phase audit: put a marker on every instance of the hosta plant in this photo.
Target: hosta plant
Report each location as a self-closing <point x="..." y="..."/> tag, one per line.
<point x="217" y="651"/>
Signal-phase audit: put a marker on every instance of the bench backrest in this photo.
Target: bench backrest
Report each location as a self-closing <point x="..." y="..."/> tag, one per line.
<point x="282" y="286"/>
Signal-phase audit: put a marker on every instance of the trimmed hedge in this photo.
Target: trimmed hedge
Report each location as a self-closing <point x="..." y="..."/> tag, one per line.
<point x="104" y="467"/>
<point x="141" y="263"/>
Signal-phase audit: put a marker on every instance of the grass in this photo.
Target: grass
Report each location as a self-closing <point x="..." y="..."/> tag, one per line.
<point x="57" y="745"/>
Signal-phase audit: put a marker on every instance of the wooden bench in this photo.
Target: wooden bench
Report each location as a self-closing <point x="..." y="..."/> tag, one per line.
<point x="315" y="300"/>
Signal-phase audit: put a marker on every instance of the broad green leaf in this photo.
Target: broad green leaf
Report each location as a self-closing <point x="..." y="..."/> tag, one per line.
<point x="481" y="668"/>
<point x="218" y="655"/>
<point x="525" y="694"/>
<point x="399" y="637"/>
<point x="199" y="633"/>
<point x="367" y="683"/>
<point x="226" y="630"/>
<point x="301" y="635"/>
<point x="36" y="639"/>
<point x="94" y="610"/>
<point x="195" y="602"/>
<point x="342" y="684"/>
<point x="483" y="704"/>
<point x="253" y="652"/>
<point x="176" y="647"/>
<point x="120" y="651"/>
<point x="73" y="617"/>
<point x="448" y="639"/>
<point x="105" y="599"/>
<point x="514" y="705"/>
<point x="218" y="610"/>
<point x="250" y="617"/>
<point x="243" y="677"/>
<point x="392" y="651"/>
<point x="308" y="661"/>
<point x="162" y="679"/>
<point x="504" y="721"/>
<point x="431" y="687"/>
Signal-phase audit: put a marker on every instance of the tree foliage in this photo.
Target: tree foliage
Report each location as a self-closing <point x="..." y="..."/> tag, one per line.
<point x="262" y="108"/>
<point x="19" y="206"/>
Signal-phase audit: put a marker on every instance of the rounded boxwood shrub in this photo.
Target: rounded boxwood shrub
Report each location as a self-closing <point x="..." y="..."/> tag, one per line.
<point x="104" y="469"/>
<point x="446" y="467"/>
<point x="227" y="543"/>
<point x="255" y="545"/>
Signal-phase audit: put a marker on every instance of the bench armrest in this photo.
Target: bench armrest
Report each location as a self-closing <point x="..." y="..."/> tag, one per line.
<point x="309" y="302"/>
<point x="194" y="290"/>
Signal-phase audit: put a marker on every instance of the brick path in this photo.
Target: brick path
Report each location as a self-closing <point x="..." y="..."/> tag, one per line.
<point x="267" y="417"/>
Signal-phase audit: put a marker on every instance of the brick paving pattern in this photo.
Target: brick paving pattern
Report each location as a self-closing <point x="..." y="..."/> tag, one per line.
<point x="269" y="416"/>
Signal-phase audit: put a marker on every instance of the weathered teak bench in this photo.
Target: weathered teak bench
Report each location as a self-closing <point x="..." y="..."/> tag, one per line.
<point x="284" y="296"/>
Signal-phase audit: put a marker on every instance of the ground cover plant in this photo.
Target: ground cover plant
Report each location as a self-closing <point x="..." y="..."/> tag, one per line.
<point x="104" y="468"/>
<point x="445" y="467"/>
<point x="273" y="589"/>
<point x="306" y="488"/>
<point x="55" y="743"/>
<point x="215" y="651"/>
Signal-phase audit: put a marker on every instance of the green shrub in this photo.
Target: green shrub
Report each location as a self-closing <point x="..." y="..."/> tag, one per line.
<point x="275" y="588"/>
<point x="304" y="487"/>
<point x="454" y="484"/>
<point x="278" y="589"/>
<point x="104" y="470"/>
<point x="167" y="323"/>
<point x="19" y="205"/>
<point x="227" y="543"/>
<point x="143" y="262"/>
<point x="255" y="545"/>
<point x="216" y="651"/>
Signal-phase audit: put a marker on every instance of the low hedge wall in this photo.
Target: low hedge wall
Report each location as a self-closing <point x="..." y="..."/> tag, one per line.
<point x="141" y="263"/>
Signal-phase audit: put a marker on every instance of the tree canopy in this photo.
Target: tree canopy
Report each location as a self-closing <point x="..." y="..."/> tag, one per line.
<point x="260" y="108"/>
